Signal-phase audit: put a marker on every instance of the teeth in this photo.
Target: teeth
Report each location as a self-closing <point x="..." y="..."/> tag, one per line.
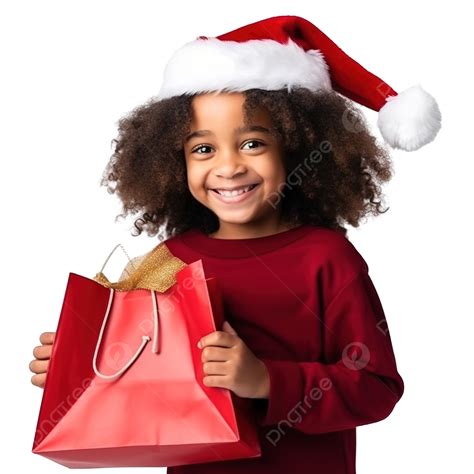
<point x="233" y="193"/>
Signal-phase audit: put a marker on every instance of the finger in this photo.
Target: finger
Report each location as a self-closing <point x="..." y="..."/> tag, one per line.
<point x="218" y="338"/>
<point x="215" y="353"/>
<point x="39" y="366"/>
<point x="221" y="381"/>
<point x="215" y="368"/>
<point x="228" y="328"/>
<point x="38" y="380"/>
<point x="47" y="337"/>
<point x="43" y="352"/>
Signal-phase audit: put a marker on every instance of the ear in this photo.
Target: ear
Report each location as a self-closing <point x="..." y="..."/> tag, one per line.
<point x="228" y="328"/>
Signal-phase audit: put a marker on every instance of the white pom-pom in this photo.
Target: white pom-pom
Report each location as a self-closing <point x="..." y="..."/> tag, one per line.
<point x="410" y="119"/>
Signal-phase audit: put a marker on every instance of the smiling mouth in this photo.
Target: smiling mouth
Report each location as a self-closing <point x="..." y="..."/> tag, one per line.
<point x="236" y="192"/>
<point x="237" y="196"/>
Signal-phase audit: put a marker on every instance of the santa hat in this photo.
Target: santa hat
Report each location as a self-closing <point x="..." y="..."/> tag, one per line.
<point x="287" y="52"/>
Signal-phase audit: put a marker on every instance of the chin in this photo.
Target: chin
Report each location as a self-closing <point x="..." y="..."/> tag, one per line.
<point x="234" y="218"/>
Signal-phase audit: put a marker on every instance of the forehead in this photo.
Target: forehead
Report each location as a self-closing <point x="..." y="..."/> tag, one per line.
<point x="224" y="106"/>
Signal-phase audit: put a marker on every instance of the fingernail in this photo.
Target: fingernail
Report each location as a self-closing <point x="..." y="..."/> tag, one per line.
<point x="199" y="344"/>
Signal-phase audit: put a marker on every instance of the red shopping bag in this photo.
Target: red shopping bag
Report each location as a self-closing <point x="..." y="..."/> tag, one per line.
<point x="124" y="384"/>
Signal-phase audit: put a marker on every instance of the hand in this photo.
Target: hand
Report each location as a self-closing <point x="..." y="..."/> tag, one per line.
<point x="229" y="363"/>
<point x="42" y="353"/>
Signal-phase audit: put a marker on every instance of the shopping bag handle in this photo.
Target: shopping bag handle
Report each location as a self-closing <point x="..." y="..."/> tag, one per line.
<point x="110" y="254"/>
<point x="145" y="339"/>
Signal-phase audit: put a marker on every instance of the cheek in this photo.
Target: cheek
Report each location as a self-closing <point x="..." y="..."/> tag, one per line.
<point x="274" y="173"/>
<point x="196" y="178"/>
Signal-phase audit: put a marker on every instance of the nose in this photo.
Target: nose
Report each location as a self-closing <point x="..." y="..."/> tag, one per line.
<point x="229" y="164"/>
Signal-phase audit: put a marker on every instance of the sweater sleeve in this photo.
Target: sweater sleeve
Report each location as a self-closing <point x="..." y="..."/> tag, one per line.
<point x="358" y="383"/>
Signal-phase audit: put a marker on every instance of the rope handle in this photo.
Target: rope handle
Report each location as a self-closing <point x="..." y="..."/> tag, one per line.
<point x="145" y="339"/>
<point x="110" y="254"/>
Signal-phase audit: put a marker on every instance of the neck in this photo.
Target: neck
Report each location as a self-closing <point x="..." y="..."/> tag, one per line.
<point x="228" y="230"/>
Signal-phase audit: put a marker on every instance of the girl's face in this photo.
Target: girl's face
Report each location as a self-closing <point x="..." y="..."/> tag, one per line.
<point x="222" y="155"/>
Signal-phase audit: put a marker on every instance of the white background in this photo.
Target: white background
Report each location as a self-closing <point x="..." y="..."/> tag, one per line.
<point x="70" y="70"/>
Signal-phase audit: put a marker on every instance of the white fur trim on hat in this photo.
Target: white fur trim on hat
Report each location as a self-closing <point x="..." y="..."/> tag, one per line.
<point x="410" y="119"/>
<point x="211" y="64"/>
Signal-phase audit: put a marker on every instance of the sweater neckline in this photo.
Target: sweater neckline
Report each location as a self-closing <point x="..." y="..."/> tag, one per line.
<point x="240" y="248"/>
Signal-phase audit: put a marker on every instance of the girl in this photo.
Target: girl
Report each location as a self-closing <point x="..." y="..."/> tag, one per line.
<point x="255" y="168"/>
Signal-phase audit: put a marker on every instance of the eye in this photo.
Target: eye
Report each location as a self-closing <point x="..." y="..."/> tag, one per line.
<point x="253" y="141"/>
<point x="199" y="148"/>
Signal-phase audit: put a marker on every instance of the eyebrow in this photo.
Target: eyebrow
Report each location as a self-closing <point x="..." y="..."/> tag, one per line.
<point x="239" y="130"/>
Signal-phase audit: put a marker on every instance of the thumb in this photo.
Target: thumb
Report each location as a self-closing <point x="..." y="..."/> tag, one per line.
<point x="228" y="328"/>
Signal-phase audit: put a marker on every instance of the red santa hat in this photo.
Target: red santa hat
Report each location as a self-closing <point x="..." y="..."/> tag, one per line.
<point x="288" y="52"/>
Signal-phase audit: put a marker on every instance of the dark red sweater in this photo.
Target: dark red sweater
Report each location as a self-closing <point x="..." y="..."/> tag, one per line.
<point x="302" y="300"/>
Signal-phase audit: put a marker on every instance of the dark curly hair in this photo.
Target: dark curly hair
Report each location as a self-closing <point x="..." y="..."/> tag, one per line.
<point x="337" y="163"/>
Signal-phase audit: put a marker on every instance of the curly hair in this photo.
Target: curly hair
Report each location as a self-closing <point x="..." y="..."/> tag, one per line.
<point x="338" y="164"/>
